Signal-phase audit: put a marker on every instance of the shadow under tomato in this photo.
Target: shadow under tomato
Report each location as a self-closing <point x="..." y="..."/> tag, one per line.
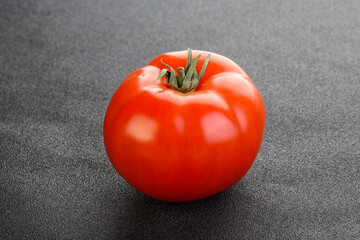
<point x="214" y="217"/>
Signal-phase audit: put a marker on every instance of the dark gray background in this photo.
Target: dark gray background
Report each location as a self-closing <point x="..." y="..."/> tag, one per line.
<point x="61" y="61"/>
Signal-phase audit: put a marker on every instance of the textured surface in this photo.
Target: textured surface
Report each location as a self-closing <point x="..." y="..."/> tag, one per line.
<point x="61" y="61"/>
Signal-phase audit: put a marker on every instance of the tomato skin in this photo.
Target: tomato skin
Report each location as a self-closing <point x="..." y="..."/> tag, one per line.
<point x="183" y="147"/>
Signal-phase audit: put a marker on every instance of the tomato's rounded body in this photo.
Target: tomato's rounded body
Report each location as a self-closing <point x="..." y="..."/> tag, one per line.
<point x="182" y="147"/>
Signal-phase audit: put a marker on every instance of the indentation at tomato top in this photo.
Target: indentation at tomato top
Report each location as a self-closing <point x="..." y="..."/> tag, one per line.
<point x="218" y="128"/>
<point x="242" y="118"/>
<point x="141" y="128"/>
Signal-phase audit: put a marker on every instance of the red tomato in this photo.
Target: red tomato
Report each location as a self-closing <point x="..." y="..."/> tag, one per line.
<point x="176" y="146"/>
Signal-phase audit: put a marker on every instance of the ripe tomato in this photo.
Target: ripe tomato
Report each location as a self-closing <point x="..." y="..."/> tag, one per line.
<point x="183" y="146"/>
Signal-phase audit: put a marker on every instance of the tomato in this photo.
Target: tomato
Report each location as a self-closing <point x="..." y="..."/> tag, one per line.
<point x="176" y="145"/>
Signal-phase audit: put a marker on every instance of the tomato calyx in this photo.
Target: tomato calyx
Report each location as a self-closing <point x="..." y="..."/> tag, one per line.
<point x="187" y="79"/>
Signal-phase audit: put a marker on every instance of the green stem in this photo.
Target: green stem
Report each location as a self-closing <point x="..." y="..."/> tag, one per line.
<point x="188" y="78"/>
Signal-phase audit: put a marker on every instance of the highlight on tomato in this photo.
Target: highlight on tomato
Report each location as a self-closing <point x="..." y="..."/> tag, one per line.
<point x="185" y="134"/>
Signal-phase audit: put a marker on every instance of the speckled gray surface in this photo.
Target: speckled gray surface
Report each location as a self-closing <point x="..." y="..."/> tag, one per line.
<point x="61" y="61"/>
